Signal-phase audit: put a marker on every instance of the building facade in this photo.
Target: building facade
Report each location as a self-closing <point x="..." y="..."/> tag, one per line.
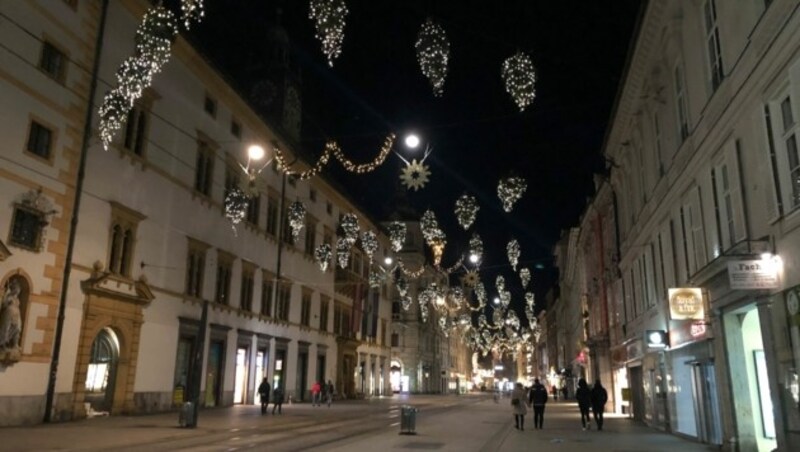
<point x="163" y="297"/>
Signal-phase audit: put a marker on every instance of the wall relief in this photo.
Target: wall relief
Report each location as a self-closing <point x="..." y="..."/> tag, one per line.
<point x="10" y="323"/>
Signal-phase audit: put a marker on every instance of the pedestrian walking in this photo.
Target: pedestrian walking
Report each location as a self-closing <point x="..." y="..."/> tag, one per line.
<point x="555" y="393"/>
<point x="538" y="398"/>
<point x="584" y="397"/>
<point x="519" y="406"/>
<point x="263" y="395"/>
<point x="599" y="399"/>
<point x="564" y="392"/>
<point x="316" y="394"/>
<point x="329" y="392"/>
<point x="277" y="402"/>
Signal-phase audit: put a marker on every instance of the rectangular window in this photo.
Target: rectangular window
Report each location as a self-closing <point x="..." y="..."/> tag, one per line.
<point x="231" y="180"/>
<point x="40" y="140"/>
<point x="305" y="309"/>
<point x="124" y="223"/>
<point x="395" y="340"/>
<point x="224" y="273"/>
<point x="338" y="314"/>
<point x="272" y="216"/>
<point x="311" y="235"/>
<point x="246" y="290"/>
<point x="324" y="305"/>
<point x="286" y="233"/>
<point x="210" y="106"/>
<point x="253" y="208"/>
<point x="53" y="62"/>
<point x="267" y="287"/>
<point x="712" y="44"/>
<point x="136" y="130"/>
<point x="383" y="332"/>
<point x="680" y="104"/>
<point x="284" y="298"/>
<point x="204" y="170"/>
<point x="329" y="208"/>
<point x="657" y="143"/>
<point x="789" y="141"/>
<point x="236" y="128"/>
<point x="195" y="268"/>
<point x="26" y="228"/>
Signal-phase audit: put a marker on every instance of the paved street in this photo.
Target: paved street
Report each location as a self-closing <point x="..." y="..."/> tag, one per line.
<point x="463" y="423"/>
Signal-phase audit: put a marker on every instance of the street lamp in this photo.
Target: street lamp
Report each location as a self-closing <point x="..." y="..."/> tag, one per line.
<point x="474" y="258"/>
<point x="388" y="260"/>
<point x="412" y="141"/>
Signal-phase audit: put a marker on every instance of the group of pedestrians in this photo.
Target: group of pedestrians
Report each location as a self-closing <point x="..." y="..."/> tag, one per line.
<point x="593" y="399"/>
<point x="264" y="397"/>
<point x="322" y="392"/>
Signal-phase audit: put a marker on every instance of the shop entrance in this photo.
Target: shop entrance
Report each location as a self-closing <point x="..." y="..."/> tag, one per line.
<point x="240" y="384"/>
<point x="704" y="391"/>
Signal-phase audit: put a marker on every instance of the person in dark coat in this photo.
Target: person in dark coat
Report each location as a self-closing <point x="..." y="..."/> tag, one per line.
<point x="538" y="398"/>
<point x="584" y="397"/>
<point x="599" y="399"/>
<point x="263" y="394"/>
<point x="278" y="400"/>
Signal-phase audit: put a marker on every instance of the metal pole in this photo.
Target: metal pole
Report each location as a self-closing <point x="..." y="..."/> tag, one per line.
<point x="73" y="226"/>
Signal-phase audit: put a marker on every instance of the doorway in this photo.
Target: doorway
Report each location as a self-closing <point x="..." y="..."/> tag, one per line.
<point x="302" y="376"/>
<point x="637" y="392"/>
<point x="216" y="357"/>
<point x="240" y="385"/>
<point x="704" y="390"/>
<point x="102" y="371"/>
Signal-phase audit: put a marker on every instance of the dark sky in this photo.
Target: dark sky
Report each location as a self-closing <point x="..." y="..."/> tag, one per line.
<point x="478" y="134"/>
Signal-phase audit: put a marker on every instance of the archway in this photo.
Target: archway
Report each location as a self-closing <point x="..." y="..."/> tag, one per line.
<point x="101" y="371"/>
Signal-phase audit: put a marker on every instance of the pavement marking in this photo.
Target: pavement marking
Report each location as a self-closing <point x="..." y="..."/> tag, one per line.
<point x="394" y="424"/>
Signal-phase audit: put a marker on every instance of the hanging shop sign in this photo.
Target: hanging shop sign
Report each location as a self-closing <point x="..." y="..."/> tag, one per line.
<point x="753" y="274"/>
<point x="683" y="332"/>
<point x="686" y="303"/>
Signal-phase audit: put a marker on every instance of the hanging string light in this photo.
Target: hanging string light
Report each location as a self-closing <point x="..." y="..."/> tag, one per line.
<point x="433" y="53"/>
<point x="323" y="254"/>
<point x="236" y="206"/>
<point x="513" y="252"/>
<point x="519" y="76"/>
<point x="343" y="252"/>
<point x="192" y="11"/>
<point x="466" y="210"/>
<point x="413" y="274"/>
<point x="297" y="219"/>
<point x="525" y="277"/>
<point x="369" y="243"/>
<point x="397" y="235"/>
<point x="329" y="17"/>
<point x="510" y="190"/>
<point x="423" y="312"/>
<point x="349" y="227"/>
<point x="333" y="149"/>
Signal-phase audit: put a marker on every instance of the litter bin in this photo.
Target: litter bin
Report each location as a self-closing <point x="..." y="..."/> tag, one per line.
<point x="408" y="420"/>
<point x="186" y="415"/>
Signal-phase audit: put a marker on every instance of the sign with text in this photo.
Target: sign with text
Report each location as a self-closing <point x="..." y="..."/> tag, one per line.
<point x="686" y="303"/>
<point x="753" y="274"/>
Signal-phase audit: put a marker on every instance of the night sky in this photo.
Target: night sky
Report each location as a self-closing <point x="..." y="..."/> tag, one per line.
<point x="478" y="134"/>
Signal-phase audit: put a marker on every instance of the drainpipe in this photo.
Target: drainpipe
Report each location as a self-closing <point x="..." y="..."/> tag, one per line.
<point x="73" y="226"/>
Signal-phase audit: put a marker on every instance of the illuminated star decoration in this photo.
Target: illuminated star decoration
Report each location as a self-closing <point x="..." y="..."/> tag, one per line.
<point x="329" y="19"/>
<point x="235" y="206"/>
<point x="525" y="277"/>
<point x="192" y="11"/>
<point x="519" y="76"/>
<point x="154" y="38"/>
<point x="415" y="175"/>
<point x="297" y="219"/>
<point x="433" y="53"/>
<point x="471" y="278"/>
<point x="513" y="252"/>
<point x="323" y="254"/>
<point x="397" y="235"/>
<point x="369" y="243"/>
<point x="510" y="190"/>
<point x="466" y="210"/>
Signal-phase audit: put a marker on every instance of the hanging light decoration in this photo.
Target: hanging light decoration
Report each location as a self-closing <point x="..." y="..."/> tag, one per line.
<point x="519" y="76"/>
<point x="525" y="277"/>
<point x="349" y="227"/>
<point x="430" y="227"/>
<point x="397" y="235"/>
<point x="297" y="219"/>
<point x="192" y="11"/>
<point x="235" y="206"/>
<point x="323" y="254"/>
<point x="369" y="243"/>
<point x="329" y="17"/>
<point x="466" y="210"/>
<point x="402" y="286"/>
<point x="530" y="300"/>
<point x="476" y="246"/>
<point x="423" y="312"/>
<point x="342" y="252"/>
<point x="471" y="278"/>
<point x="480" y="293"/>
<point x="433" y="53"/>
<point x="457" y="295"/>
<point x="375" y="279"/>
<point x="405" y="302"/>
<point x="443" y="325"/>
<point x="513" y="252"/>
<point x="510" y="190"/>
<point x="500" y="283"/>
<point x="505" y="298"/>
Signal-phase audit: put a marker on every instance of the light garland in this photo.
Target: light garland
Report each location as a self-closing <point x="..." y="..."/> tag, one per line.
<point x="476" y="246"/>
<point x="329" y="17"/>
<point x="333" y="149"/>
<point x="297" y="219"/>
<point x="192" y="11"/>
<point x="409" y="273"/>
<point x="443" y="325"/>
<point x="513" y="252"/>
<point x="342" y="252"/>
<point x="397" y="235"/>
<point x="423" y="312"/>
<point x="235" y="206"/>
<point x="323" y="254"/>
<point x="433" y="53"/>
<point x="369" y="243"/>
<point x="525" y="277"/>
<point x="510" y="190"/>
<point x="519" y="76"/>
<point x="349" y="227"/>
<point x="466" y="210"/>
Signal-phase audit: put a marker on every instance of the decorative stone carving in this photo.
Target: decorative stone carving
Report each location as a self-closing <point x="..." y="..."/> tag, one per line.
<point x="10" y="323"/>
<point x="4" y="252"/>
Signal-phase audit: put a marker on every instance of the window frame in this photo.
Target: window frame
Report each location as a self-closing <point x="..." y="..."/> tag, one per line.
<point x="210" y="102"/>
<point x="195" y="273"/>
<point x="120" y="255"/>
<point x="224" y="275"/>
<point x="247" y="287"/>
<point x="711" y="27"/>
<point x="38" y="122"/>
<point x="39" y="235"/>
<point x="204" y="166"/>
<point x="61" y="76"/>
<point x="681" y="102"/>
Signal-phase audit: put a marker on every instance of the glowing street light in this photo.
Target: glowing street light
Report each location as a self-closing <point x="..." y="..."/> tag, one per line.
<point x="473" y="258"/>
<point x="256" y="152"/>
<point x="388" y="260"/>
<point x="412" y="141"/>
<point x="496" y="300"/>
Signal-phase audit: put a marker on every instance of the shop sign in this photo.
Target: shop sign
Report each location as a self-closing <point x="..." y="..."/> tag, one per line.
<point x="753" y="274"/>
<point x="656" y="339"/>
<point x="687" y="331"/>
<point x="686" y="303"/>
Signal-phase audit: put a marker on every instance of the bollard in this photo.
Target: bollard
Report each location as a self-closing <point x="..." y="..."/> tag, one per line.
<point x="408" y="420"/>
<point x="186" y="415"/>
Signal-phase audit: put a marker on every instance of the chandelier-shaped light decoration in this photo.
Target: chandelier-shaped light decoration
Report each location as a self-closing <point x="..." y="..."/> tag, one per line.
<point x="192" y="11"/>
<point x="405" y="302"/>
<point x="466" y="210"/>
<point x="512" y="320"/>
<point x="525" y="277"/>
<point x="505" y="298"/>
<point x="519" y="76"/>
<point x="402" y="286"/>
<point x="510" y="190"/>
<point x="113" y="113"/>
<point x="375" y="279"/>
<point x="476" y="246"/>
<point x="530" y="300"/>
<point x="433" y="53"/>
<point x="480" y="293"/>
<point x="500" y="283"/>
<point x="464" y="320"/>
<point x="154" y="38"/>
<point x="369" y="243"/>
<point x="443" y="325"/>
<point x="427" y="295"/>
<point x="297" y="219"/>
<point x="430" y="227"/>
<point x="457" y="295"/>
<point x="513" y="252"/>
<point x="349" y="227"/>
<point x="329" y="18"/>
<point x="397" y="235"/>
<point x="423" y="312"/>
<point x="235" y="206"/>
<point x="343" y="252"/>
<point x="323" y="254"/>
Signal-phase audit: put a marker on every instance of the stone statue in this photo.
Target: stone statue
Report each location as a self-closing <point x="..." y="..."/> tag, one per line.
<point x="10" y="319"/>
